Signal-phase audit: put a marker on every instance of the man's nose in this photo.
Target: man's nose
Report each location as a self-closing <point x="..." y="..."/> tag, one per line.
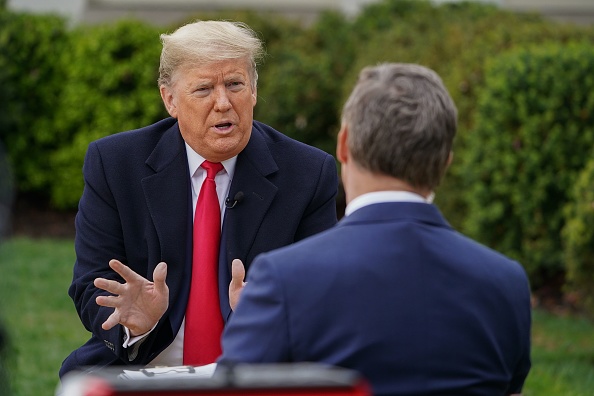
<point x="222" y="102"/>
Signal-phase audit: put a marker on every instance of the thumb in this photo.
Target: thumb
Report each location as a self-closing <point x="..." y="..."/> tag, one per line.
<point x="159" y="276"/>
<point x="237" y="273"/>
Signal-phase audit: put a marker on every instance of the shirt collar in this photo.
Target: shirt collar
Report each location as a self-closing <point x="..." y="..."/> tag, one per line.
<point x="385" y="196"/>
<point x="195" y="160"/>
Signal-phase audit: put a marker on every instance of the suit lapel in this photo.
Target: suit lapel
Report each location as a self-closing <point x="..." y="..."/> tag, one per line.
<point x="241" y="223"/>
<point x="167" y="194"/>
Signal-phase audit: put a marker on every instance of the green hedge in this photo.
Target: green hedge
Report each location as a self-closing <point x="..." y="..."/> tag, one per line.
<point x="32" y="81"/>
<point x="456" y="40"/>
<point x="534" y="133"/>
<point x="112" y="75"/>
<point x="578" y="238"/>
<point x="303" y="81"/>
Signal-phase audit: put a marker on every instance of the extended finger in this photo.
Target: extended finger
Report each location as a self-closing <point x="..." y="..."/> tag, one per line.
<point x="237" y="273"/>
<point x="112" y="321"/>
<point x="111" y="286"/>
<point x="124" y="271"/>
<point x="108" y="301"/>
<point x="159" y="277"/>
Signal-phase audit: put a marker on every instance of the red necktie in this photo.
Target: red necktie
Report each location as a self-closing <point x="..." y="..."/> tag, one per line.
<point x="204" y="323"/>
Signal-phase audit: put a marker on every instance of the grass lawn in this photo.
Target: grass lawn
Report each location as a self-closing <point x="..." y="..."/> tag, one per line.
<point x="43" y="326"/>
<point x="42" y="323"/>
<point x="562" y="356"/>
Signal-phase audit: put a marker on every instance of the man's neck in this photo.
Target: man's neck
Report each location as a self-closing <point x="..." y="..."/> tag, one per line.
<point x="361" y="181"/>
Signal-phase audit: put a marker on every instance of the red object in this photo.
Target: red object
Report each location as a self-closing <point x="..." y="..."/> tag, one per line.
<point x="204" y="323"/>
<point x="359" y="389"/>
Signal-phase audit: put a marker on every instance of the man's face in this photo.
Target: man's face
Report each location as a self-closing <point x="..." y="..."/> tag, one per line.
<point x="214" y="105"/>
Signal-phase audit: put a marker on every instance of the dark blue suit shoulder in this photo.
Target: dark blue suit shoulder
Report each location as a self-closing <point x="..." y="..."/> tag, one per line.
<point x="145" y="135"/>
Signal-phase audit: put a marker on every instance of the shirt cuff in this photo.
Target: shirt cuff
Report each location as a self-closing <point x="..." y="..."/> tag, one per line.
<point x="130" y="340"/>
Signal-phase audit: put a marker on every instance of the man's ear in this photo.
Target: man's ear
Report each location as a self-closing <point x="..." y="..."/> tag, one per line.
<point x="342" y="150"/>
<point x="254" y="96"/>
<point x="450" y="159"/>
<point x="168" y="100"/>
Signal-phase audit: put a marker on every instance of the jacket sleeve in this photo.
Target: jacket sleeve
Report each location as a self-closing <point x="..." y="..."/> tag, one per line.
<point x="258" y="331"/>
<point x="98" y="239"/>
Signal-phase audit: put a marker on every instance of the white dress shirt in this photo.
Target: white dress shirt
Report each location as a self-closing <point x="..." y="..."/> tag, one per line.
<point x="173" y="354"/>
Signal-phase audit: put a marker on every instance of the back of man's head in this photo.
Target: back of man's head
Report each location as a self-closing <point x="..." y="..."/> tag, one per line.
<point x="402" y="122"/>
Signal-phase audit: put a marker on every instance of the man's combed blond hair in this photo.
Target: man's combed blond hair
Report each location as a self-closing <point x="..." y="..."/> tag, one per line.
<point x="204" y="42"/>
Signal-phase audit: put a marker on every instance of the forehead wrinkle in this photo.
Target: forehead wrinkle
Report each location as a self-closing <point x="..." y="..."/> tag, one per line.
<point x="220" y="74"/>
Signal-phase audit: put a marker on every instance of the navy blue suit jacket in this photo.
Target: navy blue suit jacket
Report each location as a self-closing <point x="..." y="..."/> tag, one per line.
<point x="136" y="207"/>
<point x="395" y="293"/>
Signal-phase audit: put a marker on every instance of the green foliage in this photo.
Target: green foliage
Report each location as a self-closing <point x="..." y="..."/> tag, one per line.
<point x="301" y="86"/>
<point x="32" y="80"/>
<point x="112" y="75"/>
<point x="534" y="132"/>
<point x="578" y="238"/>
<point x="456" y="40"/>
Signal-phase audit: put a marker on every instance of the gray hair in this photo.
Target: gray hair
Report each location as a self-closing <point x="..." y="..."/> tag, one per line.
<point x="203" y="42"/>
<point x="401" y="122"/>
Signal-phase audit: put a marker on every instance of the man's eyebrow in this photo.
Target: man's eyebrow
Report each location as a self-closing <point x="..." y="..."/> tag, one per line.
<point x="235" y="76"/>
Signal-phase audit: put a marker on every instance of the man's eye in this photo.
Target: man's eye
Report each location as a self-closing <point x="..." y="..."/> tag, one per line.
<point x="235" y="84"/>
<point x="202" y="91"/>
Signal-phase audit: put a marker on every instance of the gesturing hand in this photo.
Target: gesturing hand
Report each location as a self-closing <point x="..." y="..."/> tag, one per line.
<point x="237" y="283"/>
<point x="139" y="303"/>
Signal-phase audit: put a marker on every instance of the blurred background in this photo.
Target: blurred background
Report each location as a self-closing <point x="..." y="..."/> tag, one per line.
<point x="172" y="11"/>
<point x="520" y="71"/>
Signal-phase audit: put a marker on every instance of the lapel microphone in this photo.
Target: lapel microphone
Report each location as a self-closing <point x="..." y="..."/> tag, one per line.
<point x="230" y="204"/>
